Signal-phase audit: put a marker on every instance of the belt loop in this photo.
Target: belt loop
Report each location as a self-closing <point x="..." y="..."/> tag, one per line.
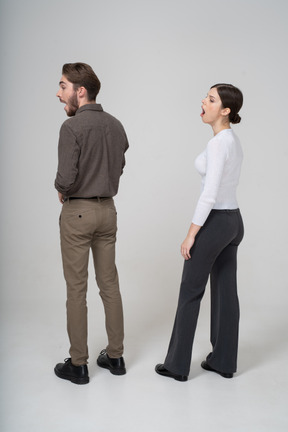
<point x="99" y="199"/>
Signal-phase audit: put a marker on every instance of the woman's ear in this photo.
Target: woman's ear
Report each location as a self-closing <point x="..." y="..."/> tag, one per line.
<point x="225" y="112"/>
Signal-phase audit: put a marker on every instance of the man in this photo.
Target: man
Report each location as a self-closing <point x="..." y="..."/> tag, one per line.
<point x="91" y="159"/>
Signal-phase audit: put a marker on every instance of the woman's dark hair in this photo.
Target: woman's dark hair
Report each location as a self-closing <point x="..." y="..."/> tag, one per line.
<point x="231" y="97"/>
<point x="81" y="74"/>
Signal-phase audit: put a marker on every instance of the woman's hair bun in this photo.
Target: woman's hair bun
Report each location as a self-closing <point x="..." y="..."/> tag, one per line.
<point x="235" y="119"/>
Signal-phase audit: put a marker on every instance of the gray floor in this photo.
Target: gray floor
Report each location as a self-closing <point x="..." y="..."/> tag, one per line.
<point x="33" y="399"/>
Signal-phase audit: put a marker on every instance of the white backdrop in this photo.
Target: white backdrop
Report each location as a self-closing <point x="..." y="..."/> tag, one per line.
<point x="156" y="60"/>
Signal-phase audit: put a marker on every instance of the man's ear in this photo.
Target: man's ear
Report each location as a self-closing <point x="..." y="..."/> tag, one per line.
<point x="82" y="92"/>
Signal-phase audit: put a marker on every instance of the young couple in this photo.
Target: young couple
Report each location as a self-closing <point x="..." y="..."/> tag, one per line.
<point x="91" y="149"/>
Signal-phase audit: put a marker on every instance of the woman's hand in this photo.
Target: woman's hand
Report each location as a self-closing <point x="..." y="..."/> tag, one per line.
<point x="186" y="246"/>
<point x="189" y="241"/>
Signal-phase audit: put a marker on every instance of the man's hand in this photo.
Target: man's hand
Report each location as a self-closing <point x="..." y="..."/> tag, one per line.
<point x="61" y="197"/>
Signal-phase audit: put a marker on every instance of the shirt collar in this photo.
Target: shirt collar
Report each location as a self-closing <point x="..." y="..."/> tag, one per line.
<point x="90" y="107"/>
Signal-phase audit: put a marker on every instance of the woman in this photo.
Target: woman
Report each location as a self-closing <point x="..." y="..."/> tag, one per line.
<point x="210" y="247"/>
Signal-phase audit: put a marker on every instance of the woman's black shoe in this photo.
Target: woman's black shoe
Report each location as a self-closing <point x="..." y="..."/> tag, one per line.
<point x="205" y="366"/>
<point x="160" y="369"/>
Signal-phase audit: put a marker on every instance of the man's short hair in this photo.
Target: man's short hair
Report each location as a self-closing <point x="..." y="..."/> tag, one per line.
<point x="82" y="75"/>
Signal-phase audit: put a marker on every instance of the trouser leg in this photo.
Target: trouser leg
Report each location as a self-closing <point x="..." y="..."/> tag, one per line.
<point x="194" y="279"/>
<point x="103" y="249"/>
<point x="224" y="312"/>
<point x="192" y="288"/>
<point x="75" y="255"/>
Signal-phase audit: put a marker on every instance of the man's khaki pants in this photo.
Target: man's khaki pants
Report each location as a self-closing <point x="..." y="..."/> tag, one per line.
<point x="85" y="224"/>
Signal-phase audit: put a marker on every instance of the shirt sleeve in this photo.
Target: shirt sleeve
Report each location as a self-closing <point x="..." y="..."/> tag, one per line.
<point x="68" y="156"/>
<point x="216" y="156"/>
<point x="125" y="149"/>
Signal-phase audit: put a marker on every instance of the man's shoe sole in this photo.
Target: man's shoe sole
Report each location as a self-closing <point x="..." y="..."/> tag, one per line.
<point x="113" y="371"/>
<point x="74" y="380"/>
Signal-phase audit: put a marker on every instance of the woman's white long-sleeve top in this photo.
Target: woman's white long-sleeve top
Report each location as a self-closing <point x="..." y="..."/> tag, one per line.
<point x="219" y="166"/>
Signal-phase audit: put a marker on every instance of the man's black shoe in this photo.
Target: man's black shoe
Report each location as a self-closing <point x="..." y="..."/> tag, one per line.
<point x="205" y="366"/>
<point x="160" y="369"/>
<point x="75" y="374"/>
<point x="115" y="365"/>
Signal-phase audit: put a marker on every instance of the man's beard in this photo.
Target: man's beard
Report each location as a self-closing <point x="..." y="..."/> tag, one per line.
<point x="72" y="105"/>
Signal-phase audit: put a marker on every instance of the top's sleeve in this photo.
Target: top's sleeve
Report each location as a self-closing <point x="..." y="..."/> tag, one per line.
<point x="216" y="156"/>
<point x="68" y="156"/>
